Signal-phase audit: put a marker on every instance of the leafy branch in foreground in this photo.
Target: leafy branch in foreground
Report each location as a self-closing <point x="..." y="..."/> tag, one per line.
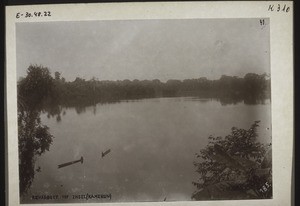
<point x="234" y="167"/>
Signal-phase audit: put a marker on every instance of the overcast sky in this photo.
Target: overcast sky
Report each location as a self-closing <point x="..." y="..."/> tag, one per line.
<point x="145" y="49"/>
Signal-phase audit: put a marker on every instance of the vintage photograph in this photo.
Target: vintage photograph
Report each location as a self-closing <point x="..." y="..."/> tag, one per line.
<point x="148" y="110"/>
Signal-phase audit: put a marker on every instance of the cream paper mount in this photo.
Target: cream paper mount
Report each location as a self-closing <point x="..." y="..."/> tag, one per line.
<point x="150" y="103"/>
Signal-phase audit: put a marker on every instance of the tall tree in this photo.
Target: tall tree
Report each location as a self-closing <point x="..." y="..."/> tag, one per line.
<point x="57" y="76"/>
<point x="34" y="138"/>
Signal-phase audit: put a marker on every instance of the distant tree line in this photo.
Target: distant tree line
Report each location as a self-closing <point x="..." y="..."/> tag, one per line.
<point x="89" y="92"/>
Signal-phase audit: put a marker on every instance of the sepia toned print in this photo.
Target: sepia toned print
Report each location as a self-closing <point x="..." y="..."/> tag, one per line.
<point x="144" y="110"/>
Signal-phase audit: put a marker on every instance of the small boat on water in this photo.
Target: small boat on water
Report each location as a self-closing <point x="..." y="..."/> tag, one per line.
<point x="70" y="163"/>
<point x="105" y="153"/>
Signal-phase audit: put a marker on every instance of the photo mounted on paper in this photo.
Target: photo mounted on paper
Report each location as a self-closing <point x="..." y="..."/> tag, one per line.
<point x="144" y="110"/>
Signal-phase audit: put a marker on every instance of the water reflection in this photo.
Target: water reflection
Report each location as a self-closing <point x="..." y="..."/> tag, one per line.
<point x="247" y="100"/>
<point x="153" y="137"/>
<point x="34" y="139"/>
<point x="55" y="111"/>
<point x="253" y="101"/>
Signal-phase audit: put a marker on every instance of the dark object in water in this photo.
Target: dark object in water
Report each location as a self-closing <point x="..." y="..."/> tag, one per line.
<point x="38" y="169"/>
<point x="70" y="163"/>
<point x="105" y="153"/>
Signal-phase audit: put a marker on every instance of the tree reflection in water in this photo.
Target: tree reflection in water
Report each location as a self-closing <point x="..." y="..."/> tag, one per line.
<point x="34" y="140"/>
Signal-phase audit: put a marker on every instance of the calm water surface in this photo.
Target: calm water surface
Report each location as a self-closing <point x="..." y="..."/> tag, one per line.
<point x="153" y="144"/>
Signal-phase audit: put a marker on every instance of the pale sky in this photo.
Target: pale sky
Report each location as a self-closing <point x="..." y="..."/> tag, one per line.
<point x="145" y="49"/>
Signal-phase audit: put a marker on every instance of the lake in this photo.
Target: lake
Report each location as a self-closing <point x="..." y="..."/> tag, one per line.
<point x="153" y="144"/>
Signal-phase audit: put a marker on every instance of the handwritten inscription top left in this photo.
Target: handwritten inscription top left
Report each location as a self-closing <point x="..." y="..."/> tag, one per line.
<point x="33" y="14"/>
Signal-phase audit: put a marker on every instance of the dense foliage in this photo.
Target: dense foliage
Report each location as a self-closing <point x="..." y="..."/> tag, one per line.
<point x="34" y="138"/>
<point x="251" y="88"/>
<point x="234" y="167"/>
